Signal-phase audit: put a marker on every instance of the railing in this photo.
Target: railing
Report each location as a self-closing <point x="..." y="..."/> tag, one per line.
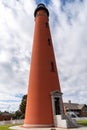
<point x="71" y="122"/>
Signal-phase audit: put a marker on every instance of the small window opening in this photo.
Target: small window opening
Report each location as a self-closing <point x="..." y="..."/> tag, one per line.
<point x="57" y="106"/>
<point x="48" y="41"/>
<point x="46" y="24"/>
<point x="52" y="66"/>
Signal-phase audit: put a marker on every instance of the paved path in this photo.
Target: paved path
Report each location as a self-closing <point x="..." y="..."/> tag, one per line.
<point x="21" y="128"/>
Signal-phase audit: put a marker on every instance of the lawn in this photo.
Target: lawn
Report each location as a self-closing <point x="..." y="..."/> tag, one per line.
<point x="82" y="122"/>
<point x="6" y="127"/>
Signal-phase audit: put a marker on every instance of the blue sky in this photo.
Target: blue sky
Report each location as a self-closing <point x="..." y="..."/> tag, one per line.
<point x="46" y="2"/>
<point x="68" y="25"/>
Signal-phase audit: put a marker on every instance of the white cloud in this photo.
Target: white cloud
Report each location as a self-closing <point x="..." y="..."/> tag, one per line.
<point x="70" y="48"/>
<point x="16" y="27"/>
<point x="3" y="57"/>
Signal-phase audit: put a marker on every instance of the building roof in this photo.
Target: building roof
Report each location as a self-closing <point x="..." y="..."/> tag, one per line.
<point x="73" y="106"/>
<point x="5" y="114"/>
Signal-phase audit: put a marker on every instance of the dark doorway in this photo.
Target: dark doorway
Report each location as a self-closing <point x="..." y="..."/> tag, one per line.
<point x="57" y="106"/>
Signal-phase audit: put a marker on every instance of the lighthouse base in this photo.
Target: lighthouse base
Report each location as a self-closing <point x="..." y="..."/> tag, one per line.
<point x="37" y="126"/>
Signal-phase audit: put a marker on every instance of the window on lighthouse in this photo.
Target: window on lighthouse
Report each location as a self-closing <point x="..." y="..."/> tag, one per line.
<point x="52" y="66"/>
<point x="48" y="41"/>
<point x="46" y="24"/>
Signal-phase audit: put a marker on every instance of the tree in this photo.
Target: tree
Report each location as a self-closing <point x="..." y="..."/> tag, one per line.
<point x="17" y="115"/>
<point x="23" y="105"/>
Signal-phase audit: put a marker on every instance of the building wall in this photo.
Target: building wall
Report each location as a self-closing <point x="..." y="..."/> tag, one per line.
<point x="3" y="117"/>
<point x="83" y="111"/>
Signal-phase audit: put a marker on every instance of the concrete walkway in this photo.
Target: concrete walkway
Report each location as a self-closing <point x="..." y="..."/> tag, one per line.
<point x="21" y="128"/>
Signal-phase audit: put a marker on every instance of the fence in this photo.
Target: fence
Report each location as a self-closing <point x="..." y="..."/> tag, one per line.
<point x="11" y="122"/>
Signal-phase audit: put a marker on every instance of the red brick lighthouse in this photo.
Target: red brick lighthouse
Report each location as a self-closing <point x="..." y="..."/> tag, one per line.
<point x="44" y="100"/>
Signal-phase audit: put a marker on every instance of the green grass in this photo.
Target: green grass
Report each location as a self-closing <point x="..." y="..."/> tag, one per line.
<point x="82" y="122"/>
<point x="6" y="127"/>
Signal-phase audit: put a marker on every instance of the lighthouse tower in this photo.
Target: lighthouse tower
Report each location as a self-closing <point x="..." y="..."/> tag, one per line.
<point x="44" y="100"/>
